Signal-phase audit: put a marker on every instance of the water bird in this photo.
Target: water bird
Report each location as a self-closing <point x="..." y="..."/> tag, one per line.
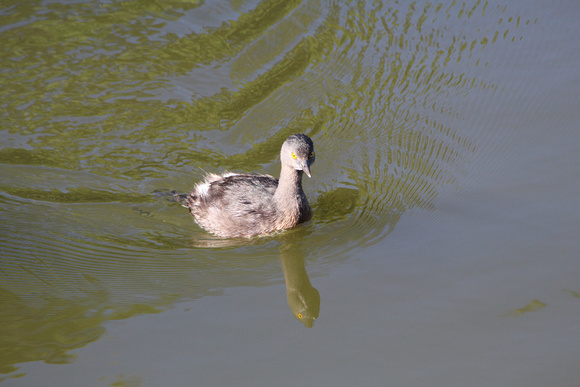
<point x="245" y="205"/>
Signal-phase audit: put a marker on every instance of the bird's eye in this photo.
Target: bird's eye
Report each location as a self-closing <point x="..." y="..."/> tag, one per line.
<point x="311" y="154"/>
<point x="293" y="155"/>
<point x="300" y="316"/>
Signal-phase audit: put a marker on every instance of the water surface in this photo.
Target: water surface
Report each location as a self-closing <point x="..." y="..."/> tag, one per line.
<point x="443" y="250"/>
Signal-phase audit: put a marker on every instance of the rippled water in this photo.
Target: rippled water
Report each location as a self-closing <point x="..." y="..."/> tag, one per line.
<point x="412" y="107"/>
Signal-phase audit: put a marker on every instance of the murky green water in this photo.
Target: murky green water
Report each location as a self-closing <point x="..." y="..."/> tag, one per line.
<point x="444" y="246"/>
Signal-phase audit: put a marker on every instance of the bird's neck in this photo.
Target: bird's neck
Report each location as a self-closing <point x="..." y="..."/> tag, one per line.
<point x="289" y="195"/>
<point x="289" y="184"/>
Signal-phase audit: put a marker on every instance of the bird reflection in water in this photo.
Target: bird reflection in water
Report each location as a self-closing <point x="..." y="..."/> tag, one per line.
<point x="303" y="298"/>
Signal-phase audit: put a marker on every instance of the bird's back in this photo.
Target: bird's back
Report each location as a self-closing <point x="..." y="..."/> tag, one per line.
<point x="235" y="205"/>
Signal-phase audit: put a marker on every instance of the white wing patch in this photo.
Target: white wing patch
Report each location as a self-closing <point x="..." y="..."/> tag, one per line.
<point x="202" y="189"/>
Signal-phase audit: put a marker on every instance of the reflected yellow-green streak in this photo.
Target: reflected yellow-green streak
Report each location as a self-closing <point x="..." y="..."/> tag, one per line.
<point x="532" y="306"/>
<point x="50" y="329"/>
<point x="75" y="195"/>
<point x="573" y="293"/>
<point x="83" y="70"/>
